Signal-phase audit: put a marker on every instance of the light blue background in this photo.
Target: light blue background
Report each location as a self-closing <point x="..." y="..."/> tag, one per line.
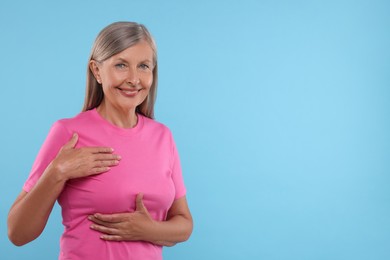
<point x="280" y="110"/>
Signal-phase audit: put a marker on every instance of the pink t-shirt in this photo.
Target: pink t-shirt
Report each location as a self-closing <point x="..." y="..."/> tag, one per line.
<point x="150" y="164"/>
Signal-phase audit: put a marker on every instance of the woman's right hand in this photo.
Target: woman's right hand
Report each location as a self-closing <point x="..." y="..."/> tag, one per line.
<point x="30" y="212"/>
<point x="73" y="162"/>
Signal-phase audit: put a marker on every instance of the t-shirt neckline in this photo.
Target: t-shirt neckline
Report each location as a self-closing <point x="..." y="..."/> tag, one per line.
<point x="116" y="129"/>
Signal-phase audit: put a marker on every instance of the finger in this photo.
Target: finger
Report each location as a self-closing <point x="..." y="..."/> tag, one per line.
<point x="106" y="156"/>
<point x="112" y="238"/>
<point x="106" y="163"/>
<point x="72" y="142"/>
<point x="139" y="202"/>
<point x="103" y="219"/>
<point x="98" y="170"/>
<point x="97" y="150"/>
<point x="105" y="229"/>
<point x="95" y="219"/>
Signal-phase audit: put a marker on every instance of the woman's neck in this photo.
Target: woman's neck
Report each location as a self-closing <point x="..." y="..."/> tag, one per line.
<point x="119" y="117"/>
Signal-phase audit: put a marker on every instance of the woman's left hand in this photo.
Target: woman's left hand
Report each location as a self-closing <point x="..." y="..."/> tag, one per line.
<point x="124" y="226"/>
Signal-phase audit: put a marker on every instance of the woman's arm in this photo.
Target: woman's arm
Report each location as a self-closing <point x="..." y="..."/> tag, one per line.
<point x="178" y="226"/>
<point x="29" y="214"/>
<point x="139" y="225"/>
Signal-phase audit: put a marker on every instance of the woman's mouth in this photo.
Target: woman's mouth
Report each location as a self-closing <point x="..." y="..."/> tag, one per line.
<point x="128" y="92"/>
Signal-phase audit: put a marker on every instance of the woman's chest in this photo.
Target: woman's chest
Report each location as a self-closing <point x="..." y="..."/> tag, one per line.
<point x="144" y="168"/>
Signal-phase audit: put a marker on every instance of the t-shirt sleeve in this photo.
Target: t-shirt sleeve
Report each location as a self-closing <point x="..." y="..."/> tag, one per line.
<point x="177" y="175"/>
<point x="57" y="137"/>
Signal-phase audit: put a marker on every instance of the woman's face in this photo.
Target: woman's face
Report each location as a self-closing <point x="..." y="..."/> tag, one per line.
<point x="126" y="77"/>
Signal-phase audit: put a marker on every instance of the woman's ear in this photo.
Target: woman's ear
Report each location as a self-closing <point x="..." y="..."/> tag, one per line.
<point x="94" y="67"/>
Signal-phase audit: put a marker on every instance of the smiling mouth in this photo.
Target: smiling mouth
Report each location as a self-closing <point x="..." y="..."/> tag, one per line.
<point x="129" y="92"/>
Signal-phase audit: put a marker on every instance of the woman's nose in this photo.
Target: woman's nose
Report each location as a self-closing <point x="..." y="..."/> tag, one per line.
<point x="133" y="77"/>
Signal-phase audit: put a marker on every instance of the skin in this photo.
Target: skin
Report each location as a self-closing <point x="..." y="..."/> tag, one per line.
<point x="126" y="79"/>
<point x="121" y="75"/>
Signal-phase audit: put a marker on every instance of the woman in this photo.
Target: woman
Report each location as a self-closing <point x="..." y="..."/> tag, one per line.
<point x="114" y="170"/>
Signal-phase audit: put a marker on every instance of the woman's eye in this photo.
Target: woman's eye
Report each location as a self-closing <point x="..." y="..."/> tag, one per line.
<point x="120" y="66"/>
<point x="144" y="66"/>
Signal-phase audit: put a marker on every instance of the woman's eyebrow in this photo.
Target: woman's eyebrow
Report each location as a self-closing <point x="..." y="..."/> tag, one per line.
<point x="124" y="60"/>
<point x="121" y="60"/>
<point x="147" y="61"/>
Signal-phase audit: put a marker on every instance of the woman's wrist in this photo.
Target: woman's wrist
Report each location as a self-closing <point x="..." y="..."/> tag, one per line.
<point x="54" y="174"/>
<point x="156" y="234"/>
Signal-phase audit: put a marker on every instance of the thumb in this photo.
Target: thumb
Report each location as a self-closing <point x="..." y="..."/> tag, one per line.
<point x="72" y="142"/>
<point x="139" y="203"/>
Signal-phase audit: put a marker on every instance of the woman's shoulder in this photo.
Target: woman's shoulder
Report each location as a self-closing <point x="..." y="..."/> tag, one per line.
<point x="154" y="125"/>
<point x="81" y="118"/>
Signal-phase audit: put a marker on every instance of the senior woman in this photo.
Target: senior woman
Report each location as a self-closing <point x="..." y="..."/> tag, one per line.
<point x="114" y="170"/>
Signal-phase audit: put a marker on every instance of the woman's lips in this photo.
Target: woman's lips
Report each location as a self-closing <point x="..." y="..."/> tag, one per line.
<point x="129" y="92"/>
